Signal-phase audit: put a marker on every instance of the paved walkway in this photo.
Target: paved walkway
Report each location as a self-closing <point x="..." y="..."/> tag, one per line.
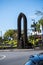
<point x="18" y="50"/>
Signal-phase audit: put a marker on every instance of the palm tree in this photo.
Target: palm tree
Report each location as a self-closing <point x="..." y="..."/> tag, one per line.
<point x="41" y="23"/>
<point x="39" y="13"/>
<point x="35" y="26"/>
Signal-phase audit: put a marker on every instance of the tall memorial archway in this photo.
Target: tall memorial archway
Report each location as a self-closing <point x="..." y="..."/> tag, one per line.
<point x="21" y="15"/>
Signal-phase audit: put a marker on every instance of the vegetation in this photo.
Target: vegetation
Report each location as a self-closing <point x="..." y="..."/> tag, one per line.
<point x="33" y="40"/>
<point x="35" y="27"/>
<point x="9" y="44"/>
<point x="41" y="21"/>
<point x="9" y="39"/>
<point x="10" y="34"/>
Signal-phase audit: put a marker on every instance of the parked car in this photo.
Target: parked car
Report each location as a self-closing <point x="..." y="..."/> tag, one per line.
<point x="35" y="60"/>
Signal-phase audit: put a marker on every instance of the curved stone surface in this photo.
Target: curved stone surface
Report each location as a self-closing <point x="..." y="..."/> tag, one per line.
<point x="21" y="15"/>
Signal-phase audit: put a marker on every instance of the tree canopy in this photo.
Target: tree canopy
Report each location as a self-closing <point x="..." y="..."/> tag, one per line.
<point x="41" y="21"/>
<point x="10" y="34"/>
<point x="35" y="26"/>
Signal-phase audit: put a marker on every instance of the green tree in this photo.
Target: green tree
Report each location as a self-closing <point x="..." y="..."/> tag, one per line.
<point x="40" y="13"/>
<point x="0" y="39"/>
<point x="10" y="34"/>
<point x="38" y="27"/>
<point x="35" y="26"/>
<point x="41" y="21"/>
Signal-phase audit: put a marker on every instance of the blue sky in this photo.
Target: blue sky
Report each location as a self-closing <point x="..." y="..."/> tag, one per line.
<point x="10" y="9"/>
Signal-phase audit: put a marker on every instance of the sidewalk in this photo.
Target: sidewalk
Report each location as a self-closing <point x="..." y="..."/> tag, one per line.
<point x="18" y="50"/>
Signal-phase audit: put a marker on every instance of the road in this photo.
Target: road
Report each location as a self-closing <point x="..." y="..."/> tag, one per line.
<point x="16" y="57"/>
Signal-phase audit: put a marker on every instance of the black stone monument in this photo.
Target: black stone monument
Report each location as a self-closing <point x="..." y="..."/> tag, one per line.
<point x="21" y="15"/>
